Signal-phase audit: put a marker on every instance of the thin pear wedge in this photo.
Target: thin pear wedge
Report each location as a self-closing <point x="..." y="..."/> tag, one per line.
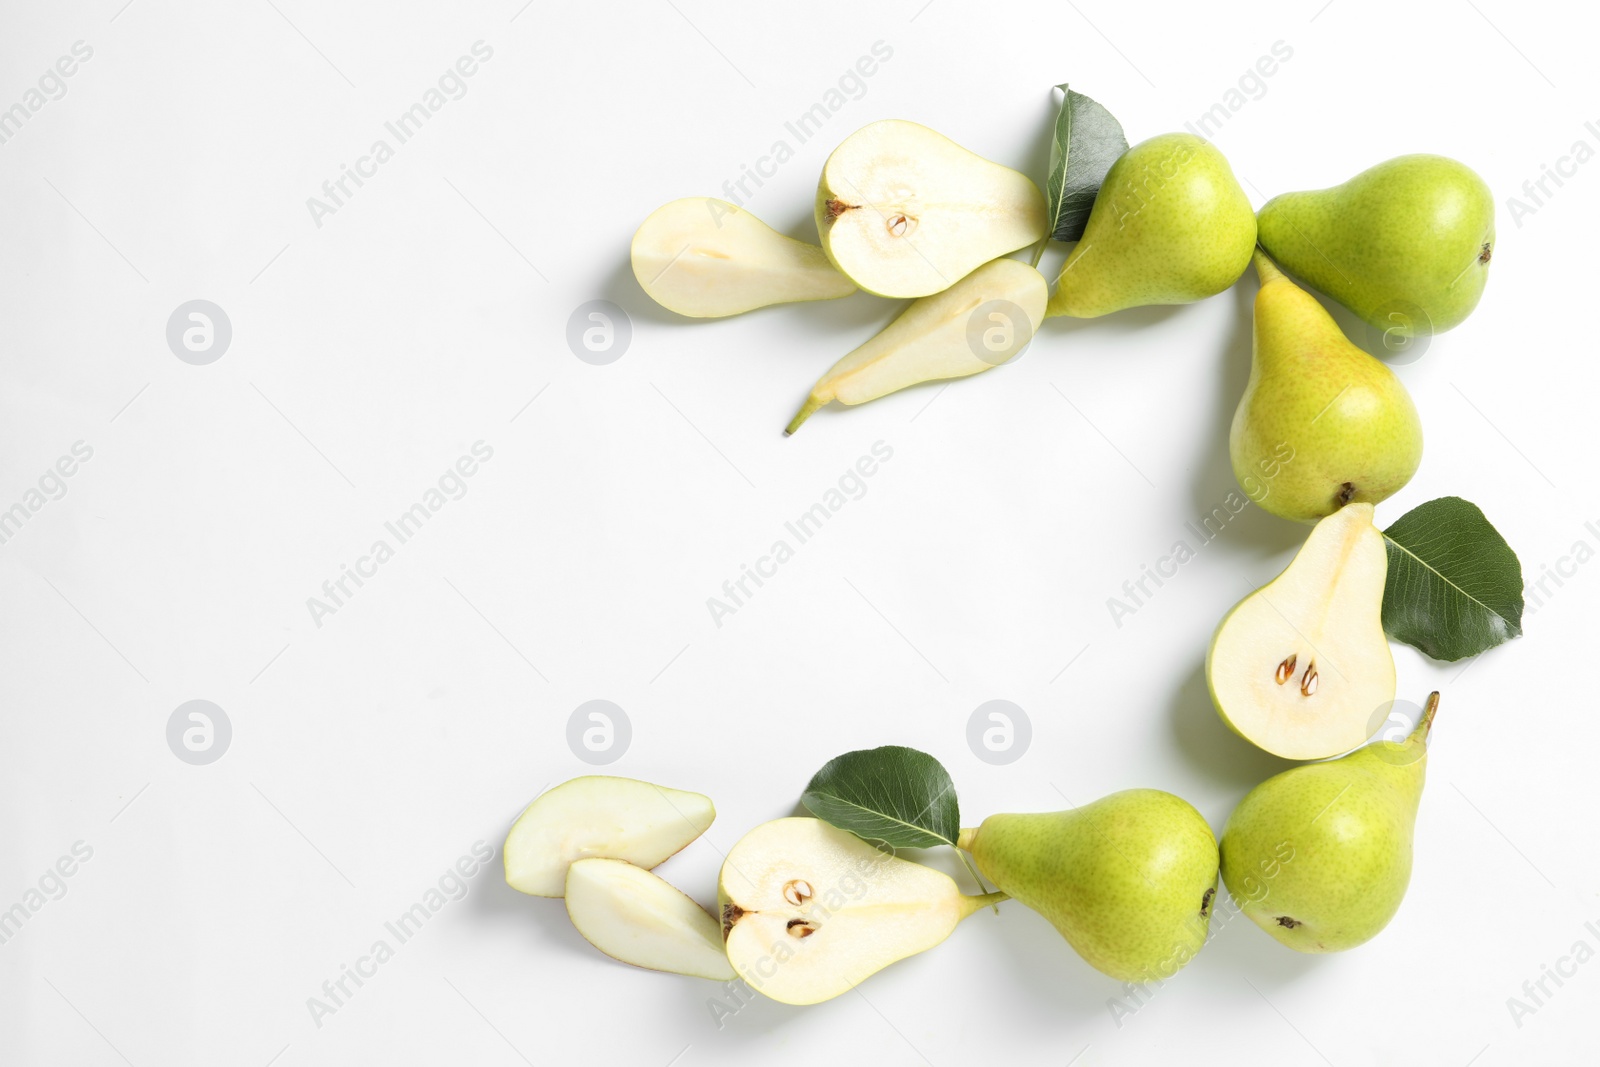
<point x="1170" y="225"/>
<point x="1406" y="244"/>
<point x="810" y="911"/>
<point x="638" y="917"/>
<point x="1321" y="423"/>
<point x="597" y="815"/>
<point x="706" y="258"/>
<point x="1320" y="856"/>
<point x="1301" y="666"/>
<point x="1128" y="880"/>
<point x="977" y="324"/>
<point x="906" y="212"/>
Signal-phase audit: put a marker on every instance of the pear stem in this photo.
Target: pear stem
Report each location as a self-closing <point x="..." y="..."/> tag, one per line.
<point x="973" y="904"/>
<point x="1425" y="723"/>
<point x="966" y="861"/>
<point x="805" y="412"/>
<point x="1266" y="269"/>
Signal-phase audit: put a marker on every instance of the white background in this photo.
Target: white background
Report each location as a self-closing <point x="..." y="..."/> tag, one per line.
<point x="371" y="752"/>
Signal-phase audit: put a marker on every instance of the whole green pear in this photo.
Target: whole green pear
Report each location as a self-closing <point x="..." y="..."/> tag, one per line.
<point x="1128" y="880"/>
<point x="1319" y="856"/>
<point x="1321" y="423"/>
<point x="1406" y="245"/>
<point x="1170" y="225"/>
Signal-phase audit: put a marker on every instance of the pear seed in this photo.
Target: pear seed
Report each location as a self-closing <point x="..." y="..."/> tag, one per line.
<point x="797" y="891"/>
<point x="900" y="225"/>
<point x="801" y="927"/>
<point x="1286" y="668"/>
<point x="1308" y="681"/>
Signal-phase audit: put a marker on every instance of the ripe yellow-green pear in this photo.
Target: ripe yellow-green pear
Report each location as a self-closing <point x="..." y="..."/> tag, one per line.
<point x="809" y="911"/>
<point x="1320" y="856"/>
<point x="706" y="258"/>
<point x="980" y="322"/>
<point x="1321" y="423"/>
<point x="1301" y="666"/>
<point x="1170" y="225"/>
<point x="1405" y="245"/>
<point x="1128" y="880"/>
<point x="637" y="917"/>
<point x="598" y="815"/>
<point x="906" y="212"/>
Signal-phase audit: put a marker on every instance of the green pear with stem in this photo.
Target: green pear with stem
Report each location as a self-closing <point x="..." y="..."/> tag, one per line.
<point x="1320" y="855"/>
<point x="1406" y="244"/>
<point x="1128" y="880"/>
<point x="1170" y="225"/>
<point x="979" y="323"/>
<point x="1321" y="423"/>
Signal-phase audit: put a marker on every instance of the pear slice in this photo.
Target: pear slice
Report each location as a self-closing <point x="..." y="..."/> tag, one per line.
<point x="597" y="815"/>
<point x="638" y="917"/>
<point x="706" y="258"/>
<point x="1301" y="667"/>
<point x="982" y="321"/>
<point x="809" y="910"/>
<point x="905" y="211"/>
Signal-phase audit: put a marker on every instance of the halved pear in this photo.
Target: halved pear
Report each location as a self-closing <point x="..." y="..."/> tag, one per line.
<point x="640" y="918"/>
<point x="707" y="258"/>
<point x="905" y="211"/>
<point x="982" y="321"/>
<point x="1301" y="667"/>
<point x="597" y="815"/>
<point x="809" y="910"/>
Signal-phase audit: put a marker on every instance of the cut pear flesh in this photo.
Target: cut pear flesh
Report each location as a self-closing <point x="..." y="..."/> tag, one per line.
<point x="638" y="917"/>
<point x="981" y="322"/>
<point x="905" y="211"/>
<point x="1301" y="667"/>
<point x="597" y="815"/>
<point x="809" y="910"/>
<point x="707" y="258"/>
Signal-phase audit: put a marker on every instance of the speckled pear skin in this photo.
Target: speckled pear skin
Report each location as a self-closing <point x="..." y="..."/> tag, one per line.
<point x="1128" y="880"/>
<point x="1321" y="423"/>
<point x="1320" y="856"/>
<point x="1414" y="232"/>
<point x="1170" y="226"/>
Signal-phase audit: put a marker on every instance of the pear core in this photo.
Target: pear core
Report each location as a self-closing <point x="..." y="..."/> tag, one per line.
<point x="904" y="211"/>
<point x="809" y="911"/>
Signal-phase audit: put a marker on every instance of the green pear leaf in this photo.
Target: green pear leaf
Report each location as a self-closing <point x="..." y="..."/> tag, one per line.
<point x="1087" y="139"/>
<point x="892" y="794"/>
<point x="1454" y="587"/>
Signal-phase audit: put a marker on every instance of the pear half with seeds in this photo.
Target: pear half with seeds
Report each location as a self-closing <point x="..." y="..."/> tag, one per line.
<point x="638" y="917"/>
<point x="597" y="815"/>
<point x="906" y="212"/>
<point x="1301" y="667"/>
<point x="809" y="911"/>
<point x="706" y="258"/>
